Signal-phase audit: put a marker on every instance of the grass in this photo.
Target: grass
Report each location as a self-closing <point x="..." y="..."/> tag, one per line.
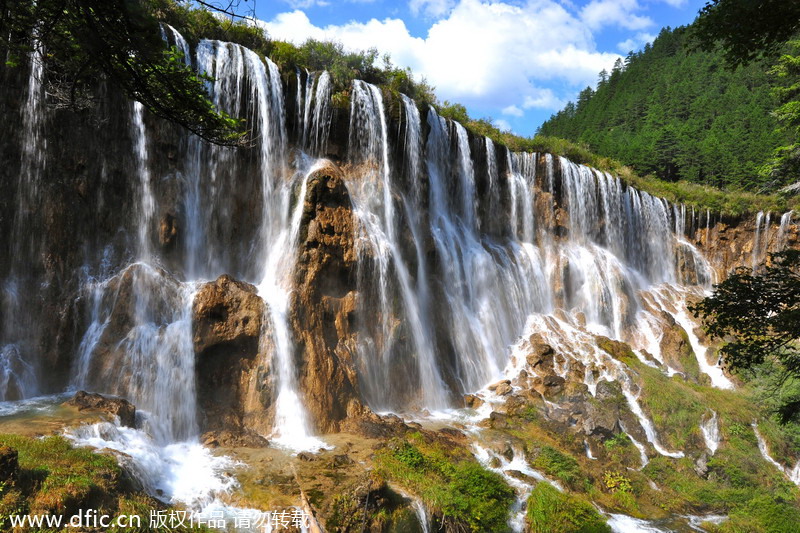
<point x="550" y="511"/>
<point x="59" y="479"/>
<point x="449" y="481"/>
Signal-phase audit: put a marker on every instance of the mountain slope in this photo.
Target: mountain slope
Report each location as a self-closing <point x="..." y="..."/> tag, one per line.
<point x="679" y="114"/>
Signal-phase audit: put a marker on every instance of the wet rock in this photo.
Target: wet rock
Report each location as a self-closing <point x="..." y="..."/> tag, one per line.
<point x="498" y="420"/>
<point x="341" y="460"/>
<point x="168" y="231"/>
<point x="539" y="354"/>
<point x="701" y="465"/>
<point x="677" y="350"/>
<point x="549" y="386"/>
<point x="9" y="464"/>
<point x="516" y="474"/>
<point x="118" y="407"/>
<point x="233" y="439"/>
<point x="472" y="401"/>
<point x="501" y="388"/>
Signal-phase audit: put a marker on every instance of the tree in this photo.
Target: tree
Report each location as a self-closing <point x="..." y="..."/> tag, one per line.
<point x="83" y="41"/>
<point x="746" y="29"/>
<point x="758" y="314"/>
<point x="785" y="164"/>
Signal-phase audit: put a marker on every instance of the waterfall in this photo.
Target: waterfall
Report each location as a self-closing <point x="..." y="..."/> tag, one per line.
<point x="321" y="124"/>
<point x="146" y="201"/>
<point x="761" y="240"/>
<point x="19" y="325"/>
<point x="379" y="248"/>
<point x="780" y="240"/>
<point x="291" y="428"/>
<point x="711" y="433"/>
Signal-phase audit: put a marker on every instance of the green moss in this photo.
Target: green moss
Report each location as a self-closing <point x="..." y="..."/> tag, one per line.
<point x="550" y="511"/>
<point x="449" y="481"/>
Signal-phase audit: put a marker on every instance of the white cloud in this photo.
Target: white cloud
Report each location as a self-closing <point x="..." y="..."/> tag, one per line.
<point x="501" y="124"/>
<point x="492" y="55"/>
<point x="513" y="111"/>
<point x="305" y="4"/>
<point x="599" y="13"/>
<point x="543" y="99"/>
<point x="431" y="8"/>
<point x="636" y="42"/>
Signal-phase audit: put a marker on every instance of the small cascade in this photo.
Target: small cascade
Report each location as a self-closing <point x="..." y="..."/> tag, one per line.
<point x="780" y="240"/>
<point x="711" y="433"/>
<point x="422" y="514"/>
<point x="764" y="449"/>
<point x="174" y="38"/>
<point x="500" y="465"/>
<point x="792" y="474"/>
<point x="761" y="240"/>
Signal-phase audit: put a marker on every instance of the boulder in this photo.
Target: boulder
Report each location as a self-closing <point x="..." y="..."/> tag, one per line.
<point x="501" y="388"/>
<point x="118" y="407"/>
<point x="540" y="355"/>
<point x="472" y="401"/>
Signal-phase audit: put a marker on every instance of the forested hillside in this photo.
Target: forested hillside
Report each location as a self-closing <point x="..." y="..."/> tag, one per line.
<point x="681" y="114"/>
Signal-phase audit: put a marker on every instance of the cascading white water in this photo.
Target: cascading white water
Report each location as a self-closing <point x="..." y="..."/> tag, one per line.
<point x="780" y="240"/>
<point x="711" y="433"/>
<point x="373" y="198"/>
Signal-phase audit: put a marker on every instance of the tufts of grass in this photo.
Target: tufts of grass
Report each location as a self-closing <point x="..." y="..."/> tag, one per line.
<point x="450" y="482"/>
<point x="550" y="511"/>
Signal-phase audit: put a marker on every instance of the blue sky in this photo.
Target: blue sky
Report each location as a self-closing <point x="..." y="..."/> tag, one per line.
<point x="514" y="61"/>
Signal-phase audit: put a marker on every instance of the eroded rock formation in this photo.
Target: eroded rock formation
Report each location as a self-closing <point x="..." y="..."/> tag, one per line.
<point x="324" y="301"/>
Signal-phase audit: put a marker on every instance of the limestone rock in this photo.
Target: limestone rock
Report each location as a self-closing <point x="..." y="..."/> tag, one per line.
<point x="540" y="354"/>
<point x="472" y="401"/>
<point x="501" y="388"/>
<point x="119" y="407"/>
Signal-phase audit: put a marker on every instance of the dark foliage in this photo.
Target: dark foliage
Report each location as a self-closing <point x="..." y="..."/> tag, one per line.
<point x="746" y="29"/>
<point x="83" y="41"/>
<point x="758" y="313"/>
